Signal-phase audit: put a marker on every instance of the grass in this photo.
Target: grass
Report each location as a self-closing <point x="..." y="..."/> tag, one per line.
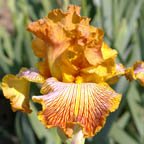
<point x="122" y="22"/>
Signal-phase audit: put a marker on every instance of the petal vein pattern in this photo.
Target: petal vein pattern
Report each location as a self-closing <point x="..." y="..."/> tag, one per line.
<point x="66" y="104"/>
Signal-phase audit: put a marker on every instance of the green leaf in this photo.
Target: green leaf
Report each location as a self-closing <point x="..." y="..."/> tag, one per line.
<point x="107" y="17"/>
<point x="23" y="129"/>
<point x="32" y="59"/>
<point x="120" y="39"/>
<point x="6" y="51"/>
<point x="7" y="44"/>
<point x="97" y="20"/>
<point x="75" y="2"/>
<point x="136" y="109"/>
<point x="49" y="5"/>
<point x="120" y="136"/>
<point x="123" y="120"/>
<point x="19" y="40"/>
<point x="84" y="7"/>
<point x="126" y="30"/>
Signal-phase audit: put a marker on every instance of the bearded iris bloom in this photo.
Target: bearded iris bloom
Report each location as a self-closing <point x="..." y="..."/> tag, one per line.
<point x="75" y="73"/>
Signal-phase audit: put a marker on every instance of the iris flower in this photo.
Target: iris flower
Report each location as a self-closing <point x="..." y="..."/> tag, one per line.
<point x="75" y="71"/>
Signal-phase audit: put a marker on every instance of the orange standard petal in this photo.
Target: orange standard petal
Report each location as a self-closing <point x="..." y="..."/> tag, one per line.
<point x="65" y="105"/>
<point x="92" y="50"/>
<point x="39" y="47"/>
<point x="44" y="69"/>
<point x="67" y="35"/>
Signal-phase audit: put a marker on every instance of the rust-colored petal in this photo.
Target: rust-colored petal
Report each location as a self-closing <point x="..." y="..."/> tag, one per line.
<point x="65" y="105"/>
<point x="63" y="34"/>
<point x="93" y="55"/>
<point x="39" y="47"/>
<point x="92" y="50"/>
<point x="43" y="68"/>
<point x="53" y="35"/>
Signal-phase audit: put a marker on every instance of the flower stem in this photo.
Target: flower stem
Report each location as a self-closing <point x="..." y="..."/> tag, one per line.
<point x="78" y="138"/>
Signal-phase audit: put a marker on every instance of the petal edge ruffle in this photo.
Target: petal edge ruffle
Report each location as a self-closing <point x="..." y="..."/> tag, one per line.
<point x="67" y="104"/>
<point x="16" y="88"/>
<point x="136" y="72"/>
<point x="17" y="91"/>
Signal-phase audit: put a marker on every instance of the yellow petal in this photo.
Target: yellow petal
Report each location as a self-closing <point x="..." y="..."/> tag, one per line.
<point x="93" y="77"/>
<point x="101" y="73"/>
<point x="129" y="73"/>
<point x="136" y="72"/>
<point x="94" y="74"/>
<point x="108" y="52"/>
<point x="17" y="91"/>
<point x="139" y="71"/>
<point x="114" y="77"/>
<point x="104" y="66"/>
<point x="140" y="78"/>
<point x="16" y="88"/>
<point x="63" y="67"/>
<point x="68" y="78"/>
<point x="65" y="105"/>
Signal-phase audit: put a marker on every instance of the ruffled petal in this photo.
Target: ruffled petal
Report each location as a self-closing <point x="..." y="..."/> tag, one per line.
<point x="139" y="72"/>
<point x="108" y="52"/>
<point x="94" y="74"/>
<point x="63" y="68"/>
<point x="118" y="72"/>
<point x="107" y="71"/>
<point x="136" y="72"/>
<point x="39" y="47"/>
<point x="65" y="105"/>
<point x="92" y="50"/>
<point x="16" y="89"/>
<point x="53" y="35"/>
<point x="93" y="55"/>
<point x="104" y="68"/>
<point x="67" y="35"/>
<point x="44" y="69"/>
<point x="31" y="75"/>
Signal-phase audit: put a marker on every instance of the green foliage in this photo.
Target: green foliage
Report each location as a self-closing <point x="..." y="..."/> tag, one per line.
<point x="122" y="22"/>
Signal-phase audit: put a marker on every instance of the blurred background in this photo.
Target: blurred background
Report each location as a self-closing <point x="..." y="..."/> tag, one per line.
<point x="123" y="24"/>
